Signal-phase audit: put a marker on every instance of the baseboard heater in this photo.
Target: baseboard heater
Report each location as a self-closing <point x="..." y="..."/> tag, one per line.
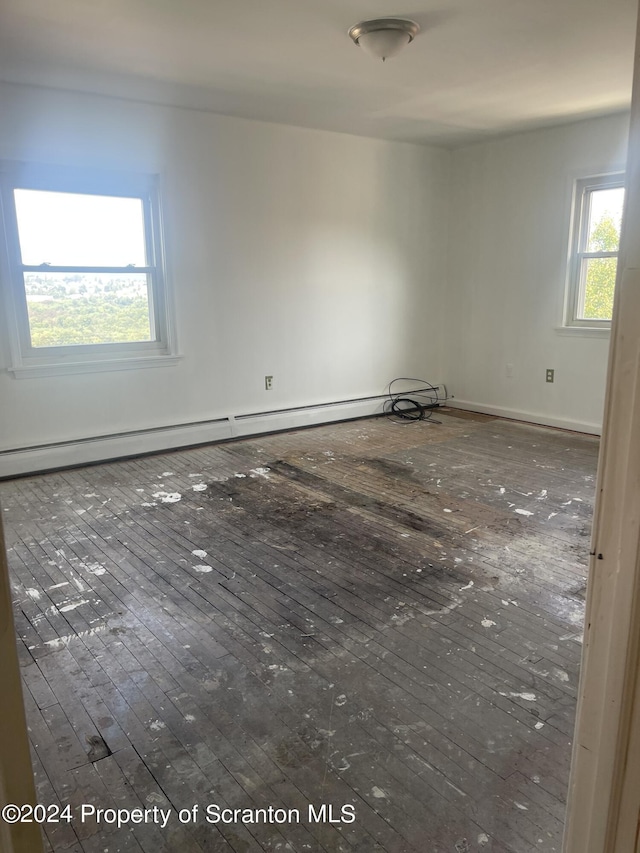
<point x="104" y="448"/>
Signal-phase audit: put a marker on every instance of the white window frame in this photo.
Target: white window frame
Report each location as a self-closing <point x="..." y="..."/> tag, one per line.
<point x="583" y="189"/>
<point x="27" y="360"/>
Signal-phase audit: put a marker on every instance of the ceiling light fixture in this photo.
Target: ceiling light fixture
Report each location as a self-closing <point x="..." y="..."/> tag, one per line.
<point x="384" y="37"/>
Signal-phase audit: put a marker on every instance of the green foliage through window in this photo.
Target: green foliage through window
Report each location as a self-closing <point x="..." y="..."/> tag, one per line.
<point x="71" y="309"/>
<point x="600" y="273"/>
<point x="595" y="244"/>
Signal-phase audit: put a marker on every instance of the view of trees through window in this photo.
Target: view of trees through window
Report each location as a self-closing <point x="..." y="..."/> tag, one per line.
<point x="84" y="308"/>
<point x="92" y="293"/>
<point x="603" y="236"/>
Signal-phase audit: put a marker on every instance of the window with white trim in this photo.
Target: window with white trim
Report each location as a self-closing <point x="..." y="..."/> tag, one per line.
<point x="597" y="217"/>
<point x="84" y="269"/>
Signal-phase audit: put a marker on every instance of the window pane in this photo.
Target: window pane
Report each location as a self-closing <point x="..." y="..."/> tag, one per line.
<point x="83" y="308"/>
<point x="599" y="277"/>
<point x="605" y="216"/>
<point x="68" y="229"/>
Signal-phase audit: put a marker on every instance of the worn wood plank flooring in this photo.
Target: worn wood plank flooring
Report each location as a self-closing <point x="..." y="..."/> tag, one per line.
<point x="380" y="615"/>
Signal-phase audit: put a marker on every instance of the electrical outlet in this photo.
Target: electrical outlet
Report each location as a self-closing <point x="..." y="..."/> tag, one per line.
<point x="268" y="383"/>
<point x="550" y="374"/>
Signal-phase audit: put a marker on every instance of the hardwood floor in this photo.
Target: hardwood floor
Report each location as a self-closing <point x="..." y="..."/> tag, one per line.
<point x="366" y="614"/>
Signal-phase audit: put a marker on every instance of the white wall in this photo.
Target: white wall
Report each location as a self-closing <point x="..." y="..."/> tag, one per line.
<point x="511" y="206"/>
<point x="316" y="257"/>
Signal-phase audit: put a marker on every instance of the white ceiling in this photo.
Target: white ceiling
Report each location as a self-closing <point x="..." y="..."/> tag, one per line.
<point x="479" y="67"/>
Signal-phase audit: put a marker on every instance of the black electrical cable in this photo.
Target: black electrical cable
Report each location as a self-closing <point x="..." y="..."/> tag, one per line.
<point x="415" y="404"/>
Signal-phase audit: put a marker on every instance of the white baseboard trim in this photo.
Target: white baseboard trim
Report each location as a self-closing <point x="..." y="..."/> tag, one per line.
<point x="31" y="460"/>
<point x="529" y="417"/>
<point x="254" y="424"/>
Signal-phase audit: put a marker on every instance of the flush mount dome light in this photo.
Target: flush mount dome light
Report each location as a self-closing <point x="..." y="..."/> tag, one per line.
<point x="385" y="36"/>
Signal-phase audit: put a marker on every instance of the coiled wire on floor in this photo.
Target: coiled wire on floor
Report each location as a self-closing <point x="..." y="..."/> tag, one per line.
<point x="414" y="404"/>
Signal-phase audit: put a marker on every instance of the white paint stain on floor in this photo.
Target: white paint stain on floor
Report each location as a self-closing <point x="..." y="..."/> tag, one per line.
<point x="154" y="797"/>
<point x="199" y="553"/>
<point x="203" y="570"/>
<point x="528" y="697"/>
<point x="168" y="497"/>
<point x="73" y="606"/>
<point x="442" y="610"/>
<point x="58" y="642"/>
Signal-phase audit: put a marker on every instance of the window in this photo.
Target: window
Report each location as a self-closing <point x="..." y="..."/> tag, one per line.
<point x="85" y="270"/>
<point x="593" y="263"/>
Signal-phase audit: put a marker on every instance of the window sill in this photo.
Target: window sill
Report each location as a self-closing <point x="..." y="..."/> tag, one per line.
<point x="584" y="331"/>
<point x="60" y="368"/>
